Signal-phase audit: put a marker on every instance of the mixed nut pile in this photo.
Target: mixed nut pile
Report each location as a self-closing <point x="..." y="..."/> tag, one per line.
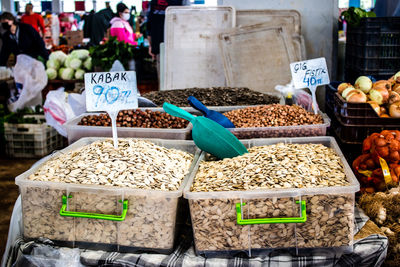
<point x="136" y="118"/>
<point x="135" y="164"/>
<point x="214" y="96"/>
<point x="274" y="166"/>
<point x="272" y="115"/>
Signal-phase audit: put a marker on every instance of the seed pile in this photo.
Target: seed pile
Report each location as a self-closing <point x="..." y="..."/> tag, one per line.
<point x="135" y="164"/>
<point x="274" y="166"/>
<point x="330" y="222"/>
<point x="214" y="96"/>
<point x="136" y="118"/>
<point x="272" y="115"/>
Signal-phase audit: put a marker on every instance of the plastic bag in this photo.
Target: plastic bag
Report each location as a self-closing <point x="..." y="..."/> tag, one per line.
<point x="48" y="256"/>
<point x="117" y="66"/>
<point x="60" y="107"/>
<point x="297" y="96"/>
<point x="31" y="74"/>
<point x="303" y="99"/>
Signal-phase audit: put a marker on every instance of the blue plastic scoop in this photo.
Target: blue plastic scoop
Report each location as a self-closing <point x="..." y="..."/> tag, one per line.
<point x="209" y="135"/>
<point x="211" y="114"/>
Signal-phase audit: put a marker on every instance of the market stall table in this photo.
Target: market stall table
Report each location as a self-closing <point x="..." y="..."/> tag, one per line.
<point x="370" y="248"/>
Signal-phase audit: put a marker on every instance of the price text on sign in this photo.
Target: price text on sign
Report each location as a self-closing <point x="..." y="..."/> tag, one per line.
<point x="111" y="91"/>
<point x="309" y="73"/>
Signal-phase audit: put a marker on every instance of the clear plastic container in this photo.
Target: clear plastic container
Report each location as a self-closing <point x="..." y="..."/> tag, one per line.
<point x="223" y="221"/>
<point x="150" y="222"/>
<point x="75" y="131"/>
<point x="283" y="131"/>
<point x="192" y="55"/>
<point x="28" y="140"/>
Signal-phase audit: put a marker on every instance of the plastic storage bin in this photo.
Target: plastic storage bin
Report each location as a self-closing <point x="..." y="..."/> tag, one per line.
<point x="360" y="114"/>
<point x="150" y="222"/>
<point x="226" y="222"/>
<point x="75" y="131"/>
<point x="372" y="48"/>
<point x="25" y="140"/>
<point x="356" y="133"/>
<point x="283" y="131"/>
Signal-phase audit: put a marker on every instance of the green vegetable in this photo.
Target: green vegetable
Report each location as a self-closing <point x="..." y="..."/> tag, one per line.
<point x="51" y="73"/>
<point x="81" y="54"/>
<point x="53" y="64"/>
<point x="60" y="56"/>
<point x="88" y="63"/>
<point x="18" y="116"/>
<point x="68" y="61"/>
<point x="60" y="71"/>
<point x="75" y="63"/>
<point x="67" y="74"/>
<point x="105" y="54"/>
<point x="354" y="15"/>
<point x="79" y="74"/>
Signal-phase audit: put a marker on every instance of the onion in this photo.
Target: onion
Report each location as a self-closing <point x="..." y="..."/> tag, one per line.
<point x="356" y="96"/>
<point x="375" y="106"/>
<point x="394" y="110"/>
<point x="396" y="88"/>
<point x="346" y="91"/>
<point x="380" y="95"/>
<point x="363" y="83"/>
<point x="382" y="84"/>
<point x="396" y="77"/>
<point x="343" y="86"/>
<point x="393" y="97"/>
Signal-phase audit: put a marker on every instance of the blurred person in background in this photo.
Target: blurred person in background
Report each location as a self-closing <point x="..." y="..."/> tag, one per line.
<point x="155" y="26"/>
<point x="120" y="26"/>
<point x="33" y="19"/>
<point x="20" y="38"/>
<point x="96" y="25"/>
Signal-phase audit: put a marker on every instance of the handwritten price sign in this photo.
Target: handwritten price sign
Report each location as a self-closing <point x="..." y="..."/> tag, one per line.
<point x="310" y="74"/>
<point x="111" y="91"/>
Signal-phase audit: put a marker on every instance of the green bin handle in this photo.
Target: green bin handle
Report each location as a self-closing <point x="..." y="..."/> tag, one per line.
<point x="301" y="219"/>
<point x="64" y="212"/>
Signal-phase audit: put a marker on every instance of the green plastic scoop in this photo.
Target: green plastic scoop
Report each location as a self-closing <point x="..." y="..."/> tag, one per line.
<point x="209" y="135"/>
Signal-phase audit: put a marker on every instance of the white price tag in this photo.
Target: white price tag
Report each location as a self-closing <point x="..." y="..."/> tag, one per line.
<point x="111" y="92"/>
<point x="310" y="74"/>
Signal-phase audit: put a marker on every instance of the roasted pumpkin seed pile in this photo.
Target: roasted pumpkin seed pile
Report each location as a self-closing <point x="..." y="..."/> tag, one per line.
<point x="135" y="164"/>
<point x="274" y="166"/>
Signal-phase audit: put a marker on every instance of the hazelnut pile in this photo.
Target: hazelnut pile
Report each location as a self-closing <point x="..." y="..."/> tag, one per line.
<point x="272" y="115"/>
<point x="137" y="118"/>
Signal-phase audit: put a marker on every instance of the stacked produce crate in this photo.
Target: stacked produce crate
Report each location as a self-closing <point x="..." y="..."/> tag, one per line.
<point x="372" y="48"/>
<point x="31" y="140"/>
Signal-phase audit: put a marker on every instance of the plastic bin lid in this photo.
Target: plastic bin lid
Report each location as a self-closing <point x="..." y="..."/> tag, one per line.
<point x="192" y="55"/>
<point x="257" y="57"/>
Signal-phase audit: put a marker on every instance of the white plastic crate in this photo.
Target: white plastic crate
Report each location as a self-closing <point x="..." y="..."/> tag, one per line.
<point x="26" y="140"/>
